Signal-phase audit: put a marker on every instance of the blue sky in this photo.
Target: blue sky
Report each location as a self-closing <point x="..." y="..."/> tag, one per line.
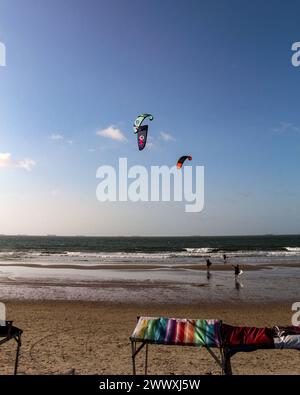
<point x="217" y="75"/>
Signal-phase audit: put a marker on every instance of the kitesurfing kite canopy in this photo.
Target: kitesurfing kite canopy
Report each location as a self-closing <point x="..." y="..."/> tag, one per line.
<point x="140" y="119"/>
<point x="142" y="130"/>
<point x="182" y="159"/>
<point x="142" y="136"/>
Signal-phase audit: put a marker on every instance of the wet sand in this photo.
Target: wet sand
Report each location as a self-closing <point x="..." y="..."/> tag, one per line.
<point x="93" y="338"/>
<point x="189" y="284"/>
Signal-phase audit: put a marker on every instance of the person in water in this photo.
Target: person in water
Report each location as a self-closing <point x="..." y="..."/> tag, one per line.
<point x="237" y="270"/>
<point x="208" y="265"/>
<point x="225" y="258"/>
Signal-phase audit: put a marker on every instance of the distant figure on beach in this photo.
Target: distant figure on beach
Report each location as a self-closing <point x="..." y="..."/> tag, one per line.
<point x="208" y="265"/>
<point x="237" y="270"/>
<point x="237" y="273"/>
<point x="225" y="258"/>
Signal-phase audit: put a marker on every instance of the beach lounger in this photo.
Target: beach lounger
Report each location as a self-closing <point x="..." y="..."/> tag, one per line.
<point x="210" y="334"/>
<point x="177" y="332"/>
<point x="9" y="332"/>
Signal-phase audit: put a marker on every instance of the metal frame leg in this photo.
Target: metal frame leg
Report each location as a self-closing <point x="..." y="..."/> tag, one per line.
<point x="218" y="361"/>
<point x="135" y="352"/>
<point x="18" y="340"/>
<point x="223" y="360"/>
<point x="227" y="363"/>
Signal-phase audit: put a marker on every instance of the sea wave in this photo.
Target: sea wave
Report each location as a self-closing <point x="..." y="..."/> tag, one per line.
<point x="293" y="249"/>
<point x="183" y="255"/>
<point x="202" y="250"/>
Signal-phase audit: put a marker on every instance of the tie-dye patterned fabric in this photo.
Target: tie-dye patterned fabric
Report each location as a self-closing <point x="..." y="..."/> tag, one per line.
<point x="185" y="332"/>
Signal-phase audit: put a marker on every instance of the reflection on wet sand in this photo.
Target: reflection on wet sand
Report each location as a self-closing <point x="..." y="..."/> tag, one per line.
<point x="238" y="284"/>
<point x="159" y="285"/>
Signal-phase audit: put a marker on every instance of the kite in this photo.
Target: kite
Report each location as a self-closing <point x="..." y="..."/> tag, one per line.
<point x="140" y="119"/>
<point x="142" y="130"/>
<point x="182" y="159"/>
<point x="142" y="136"/>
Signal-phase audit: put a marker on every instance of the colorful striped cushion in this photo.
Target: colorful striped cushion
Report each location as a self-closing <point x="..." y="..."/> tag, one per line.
<point x="185" y="332"/>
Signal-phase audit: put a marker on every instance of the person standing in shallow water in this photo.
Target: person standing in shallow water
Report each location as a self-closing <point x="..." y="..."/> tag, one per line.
<point x="237" y="270"/>
<point x="208" y="265"/>
<point x="225" y="258"/>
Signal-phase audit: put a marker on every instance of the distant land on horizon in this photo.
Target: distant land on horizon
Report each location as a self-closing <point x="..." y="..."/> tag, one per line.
<point x="158" y="236"/>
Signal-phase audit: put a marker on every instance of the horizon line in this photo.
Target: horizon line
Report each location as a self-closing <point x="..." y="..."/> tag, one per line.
<point x="151" y="236"/>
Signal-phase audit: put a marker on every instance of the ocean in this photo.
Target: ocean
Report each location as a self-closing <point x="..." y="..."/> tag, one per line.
<point x="156" y="269"/>
<point x="163" y="250"/>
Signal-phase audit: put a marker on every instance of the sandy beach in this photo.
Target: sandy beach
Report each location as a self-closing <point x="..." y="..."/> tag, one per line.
<point x="77" y="303"/>
<point x="93" y="338"/>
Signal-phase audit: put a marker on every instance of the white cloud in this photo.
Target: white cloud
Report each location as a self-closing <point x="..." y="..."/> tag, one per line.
<point x="6" y="160"/>
<point x="56" y="136"/>
<point x="27" y="164"/>
<point x="112" y="133"/>
<point x="286" y="127"/>
<point x="166" y="136"/>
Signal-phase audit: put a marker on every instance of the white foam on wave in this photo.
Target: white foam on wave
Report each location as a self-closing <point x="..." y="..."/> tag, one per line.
<point x="7" y="253"/>
<point x="163" y="257"/>
<point x="293" y="249"/>
<point x="203" y="250"/>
